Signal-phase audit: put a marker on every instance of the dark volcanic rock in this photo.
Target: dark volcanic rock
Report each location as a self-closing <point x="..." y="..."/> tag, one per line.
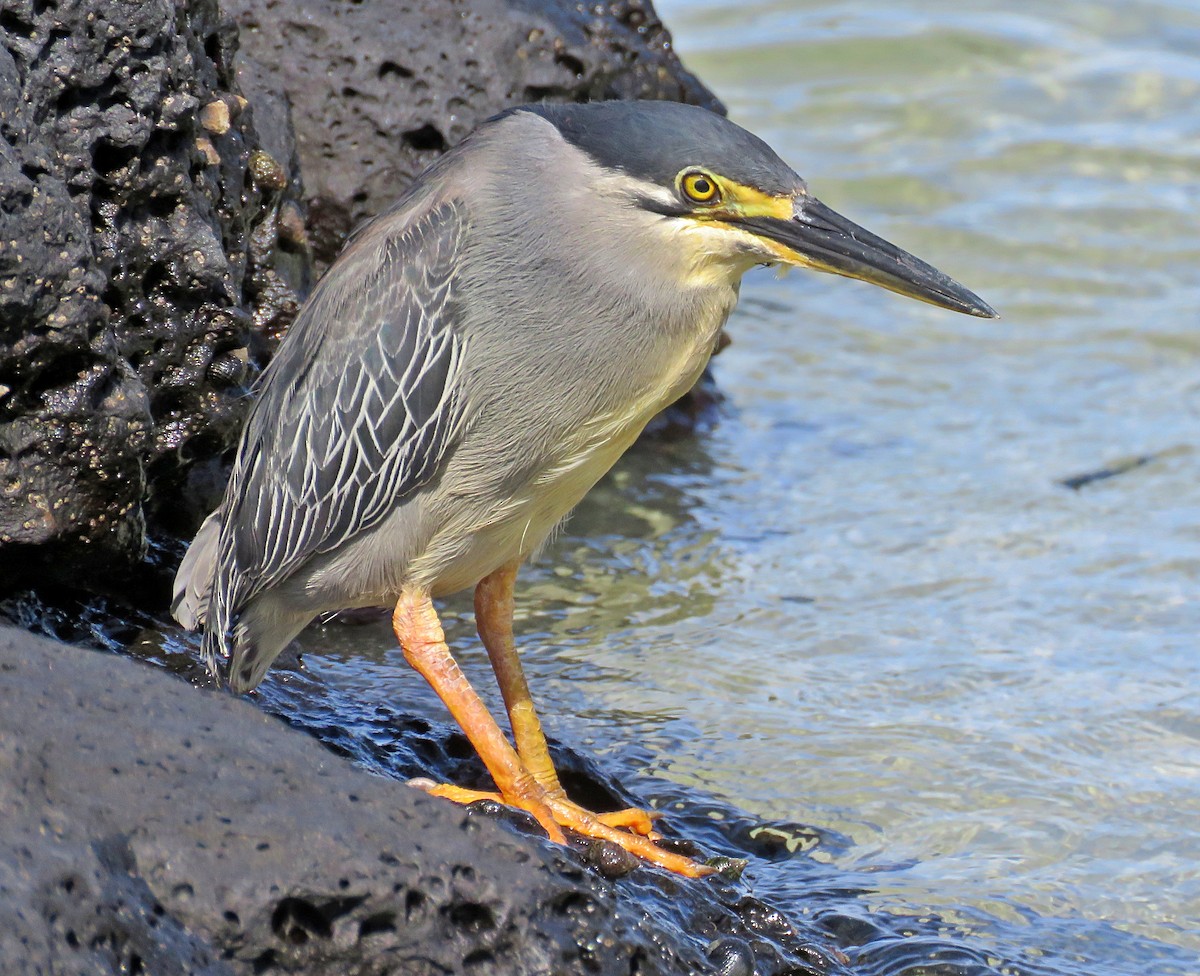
<point x="74" y="418"/>
<point x="379" y="90"/>
<point x="137" y="232"/>
<point x="153" y="827"/>
<point x="152" y="239"/>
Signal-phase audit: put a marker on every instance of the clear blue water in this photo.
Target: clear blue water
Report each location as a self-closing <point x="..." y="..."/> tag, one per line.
<point x="865" y="601"/>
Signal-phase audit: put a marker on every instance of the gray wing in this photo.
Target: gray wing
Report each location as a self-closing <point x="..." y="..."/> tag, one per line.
<point x="355" y="412"/>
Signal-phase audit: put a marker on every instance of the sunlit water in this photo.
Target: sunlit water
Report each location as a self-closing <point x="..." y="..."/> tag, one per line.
<point x="865" y="599"/>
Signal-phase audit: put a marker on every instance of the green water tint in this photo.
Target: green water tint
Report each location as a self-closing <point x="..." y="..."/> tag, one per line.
<point x="866" y="602"/>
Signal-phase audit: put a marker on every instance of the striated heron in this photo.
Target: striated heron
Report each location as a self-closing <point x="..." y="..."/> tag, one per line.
<point x="475" y="360"/>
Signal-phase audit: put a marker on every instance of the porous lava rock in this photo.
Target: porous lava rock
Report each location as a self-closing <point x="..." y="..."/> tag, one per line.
<point x="379" y="90"/>
<point x="152" y="827"/>
<point x="138" y="230"/>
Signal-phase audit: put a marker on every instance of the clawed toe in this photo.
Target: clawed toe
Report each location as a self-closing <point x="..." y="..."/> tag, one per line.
<point x="575" y="818"/>
<point x="634" y="819"/>
<point x="630" y="829"/>
<point x="533" y="804"/>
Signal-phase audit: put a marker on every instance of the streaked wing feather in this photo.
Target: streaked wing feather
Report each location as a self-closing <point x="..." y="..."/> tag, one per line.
<point x="355" y="413"/>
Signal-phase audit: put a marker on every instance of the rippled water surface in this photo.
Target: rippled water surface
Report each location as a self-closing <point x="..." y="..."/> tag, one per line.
<point x="865" y="600"/>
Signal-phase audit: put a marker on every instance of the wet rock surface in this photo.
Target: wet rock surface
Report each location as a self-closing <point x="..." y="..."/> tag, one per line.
<point x="138" y="233"/>
<point x="74" y="419"/>
<point x="154" y="827"/>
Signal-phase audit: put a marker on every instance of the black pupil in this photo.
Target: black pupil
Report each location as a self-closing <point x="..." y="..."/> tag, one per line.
<point x="701" y="187"/>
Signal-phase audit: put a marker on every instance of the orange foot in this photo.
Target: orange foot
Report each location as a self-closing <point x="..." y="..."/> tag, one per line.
<point x="601" y="826"/>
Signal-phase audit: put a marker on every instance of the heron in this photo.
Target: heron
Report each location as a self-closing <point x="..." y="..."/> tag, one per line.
<point x="474" y="361"/>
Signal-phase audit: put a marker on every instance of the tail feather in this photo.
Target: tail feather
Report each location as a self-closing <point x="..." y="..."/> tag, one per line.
<point x="260" y="629"/>
<point x="263" y="630"/>
<point x="194" y="580"/>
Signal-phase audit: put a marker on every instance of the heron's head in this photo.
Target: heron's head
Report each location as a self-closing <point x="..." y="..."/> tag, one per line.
<point x="722" y="193"/>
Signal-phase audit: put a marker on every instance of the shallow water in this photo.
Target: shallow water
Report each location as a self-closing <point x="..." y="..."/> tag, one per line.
<point x="865" y="600"/>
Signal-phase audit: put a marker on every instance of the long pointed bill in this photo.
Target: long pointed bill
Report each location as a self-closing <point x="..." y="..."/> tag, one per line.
<point x="820" y="238"/>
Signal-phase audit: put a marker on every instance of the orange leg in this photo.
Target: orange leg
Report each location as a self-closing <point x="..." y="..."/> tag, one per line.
<point x="424" y="643"/>
<point x="493" y="617"/>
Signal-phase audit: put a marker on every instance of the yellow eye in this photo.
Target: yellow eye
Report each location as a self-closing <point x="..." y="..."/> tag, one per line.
<point x="700" y="187"/>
